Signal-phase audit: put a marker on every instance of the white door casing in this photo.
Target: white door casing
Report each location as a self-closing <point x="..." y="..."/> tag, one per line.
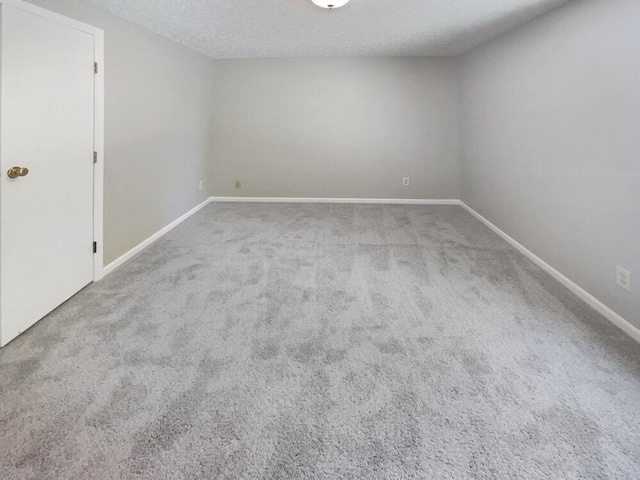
<point x="50" y="123"/>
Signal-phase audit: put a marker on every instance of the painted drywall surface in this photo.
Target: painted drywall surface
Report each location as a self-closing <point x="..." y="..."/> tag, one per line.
<point x="286" y="28"/>
<point x="551" y="151"/>
<point x="158" y="117"/>
<point x="336" y="127"/>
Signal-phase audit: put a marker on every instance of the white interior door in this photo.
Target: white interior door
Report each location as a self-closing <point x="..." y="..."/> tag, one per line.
<point x="47" y="127"/>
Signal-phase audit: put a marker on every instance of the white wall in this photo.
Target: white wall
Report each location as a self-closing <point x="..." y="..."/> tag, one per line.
<point x="551" y="150"/>
<point x="549" y="124"/>
<point x="158" y="119"/>
<point x="336" y="127"/>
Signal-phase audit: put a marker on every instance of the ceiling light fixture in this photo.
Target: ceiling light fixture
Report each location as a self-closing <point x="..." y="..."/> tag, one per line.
<point x="330" y="4"/>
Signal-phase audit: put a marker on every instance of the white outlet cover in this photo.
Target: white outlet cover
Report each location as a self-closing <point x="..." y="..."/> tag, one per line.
<point x="623" y="278"/>
<point x="406" y="181"/>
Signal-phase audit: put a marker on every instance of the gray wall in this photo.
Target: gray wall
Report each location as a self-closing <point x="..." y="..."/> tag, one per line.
<point x="158" y="120"/>
<point x="336" y="127"/>
<point x="548" y="120"/>
<point x="551" y="151"/>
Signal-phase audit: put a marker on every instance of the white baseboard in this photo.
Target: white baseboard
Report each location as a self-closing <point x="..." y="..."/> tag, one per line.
<point x="585" y="296"/>
<point x="138" y="248"/>
<point x="388" y="201"/>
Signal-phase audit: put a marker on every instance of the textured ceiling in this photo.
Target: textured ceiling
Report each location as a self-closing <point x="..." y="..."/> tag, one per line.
<point x="297" y="28"/>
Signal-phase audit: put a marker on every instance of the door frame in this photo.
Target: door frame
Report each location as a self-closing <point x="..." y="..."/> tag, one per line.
<point x="98" y="124"/>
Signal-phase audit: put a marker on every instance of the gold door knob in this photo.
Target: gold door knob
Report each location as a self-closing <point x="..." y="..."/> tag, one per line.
<point x="15" y="172"/>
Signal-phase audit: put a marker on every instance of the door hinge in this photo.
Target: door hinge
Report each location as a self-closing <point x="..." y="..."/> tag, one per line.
<point x="95" y="67"/>
<point x="95" y="157"/>
<point x="95" y="247"/>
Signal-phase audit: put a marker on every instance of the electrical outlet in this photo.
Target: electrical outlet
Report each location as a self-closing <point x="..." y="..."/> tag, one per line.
<point x="406" y="181"/>
<point x="201" y="184"/>
<point x="623" y="278"/>
<point x="238" y="184"/>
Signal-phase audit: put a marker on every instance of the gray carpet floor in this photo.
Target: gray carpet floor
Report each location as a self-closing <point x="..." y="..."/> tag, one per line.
<point x="322" y="342"/>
